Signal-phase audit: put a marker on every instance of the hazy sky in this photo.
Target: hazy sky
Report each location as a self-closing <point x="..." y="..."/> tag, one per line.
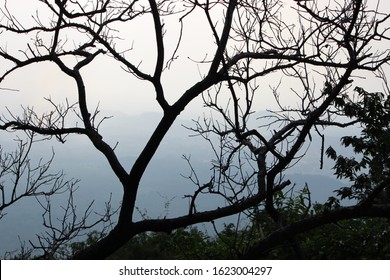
<point x="106" y="82"/>
<point x="117" y="90"/>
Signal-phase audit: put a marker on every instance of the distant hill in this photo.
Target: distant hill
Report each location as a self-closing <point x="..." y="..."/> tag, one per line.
<point x="162" y="188"/>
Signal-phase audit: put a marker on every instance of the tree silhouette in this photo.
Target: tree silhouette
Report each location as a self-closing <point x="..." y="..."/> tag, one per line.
<point x="311" y="50"/>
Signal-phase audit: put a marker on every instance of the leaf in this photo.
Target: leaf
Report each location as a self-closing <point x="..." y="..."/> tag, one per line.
<point x="331" y="153"/>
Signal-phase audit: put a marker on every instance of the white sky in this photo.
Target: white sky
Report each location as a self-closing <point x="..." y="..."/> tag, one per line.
<point x="106" y="82"/>
<point x="115" y="89"/>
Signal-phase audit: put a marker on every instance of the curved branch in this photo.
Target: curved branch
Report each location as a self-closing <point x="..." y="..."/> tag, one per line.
<point x="160" y="56"/>
<point x="333" y="216"/>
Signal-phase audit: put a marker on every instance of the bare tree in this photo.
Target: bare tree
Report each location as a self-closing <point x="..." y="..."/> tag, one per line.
<point x="315" y="53"/>
<point x="25" y="178"/>
<point x="21" y="178"/>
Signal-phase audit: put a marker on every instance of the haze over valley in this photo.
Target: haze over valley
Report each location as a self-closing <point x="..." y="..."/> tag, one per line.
<point x="163" y="189"/>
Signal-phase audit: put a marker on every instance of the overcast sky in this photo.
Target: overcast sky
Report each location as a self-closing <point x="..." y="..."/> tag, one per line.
<point x="117" y="90"/>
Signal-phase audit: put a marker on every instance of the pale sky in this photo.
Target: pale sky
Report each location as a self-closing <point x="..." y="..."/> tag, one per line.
<point x="117" y="90"/>
<point x="107" y="83"/>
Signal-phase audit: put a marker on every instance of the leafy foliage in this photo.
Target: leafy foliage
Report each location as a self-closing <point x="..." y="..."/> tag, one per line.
<point x="349" y="239"/>
<point x="71" y="249"/>
<point x="369" y="169"/>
